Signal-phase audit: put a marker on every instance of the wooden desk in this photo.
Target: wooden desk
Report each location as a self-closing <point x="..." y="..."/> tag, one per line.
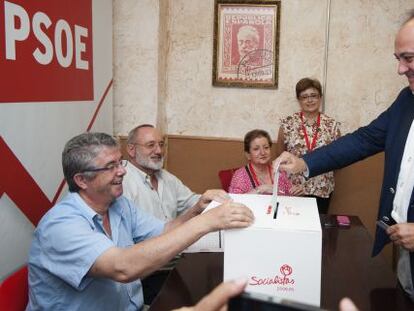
<point x="347" y="270"/>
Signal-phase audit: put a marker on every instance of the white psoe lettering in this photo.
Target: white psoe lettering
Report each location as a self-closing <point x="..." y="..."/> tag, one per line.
<point x="44" y="54"/>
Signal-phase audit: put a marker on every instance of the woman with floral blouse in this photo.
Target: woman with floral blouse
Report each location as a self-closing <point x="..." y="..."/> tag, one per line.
<point x="305" y="131"/>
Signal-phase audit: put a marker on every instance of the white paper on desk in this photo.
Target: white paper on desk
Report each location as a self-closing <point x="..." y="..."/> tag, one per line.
<point x="210" y="243"/>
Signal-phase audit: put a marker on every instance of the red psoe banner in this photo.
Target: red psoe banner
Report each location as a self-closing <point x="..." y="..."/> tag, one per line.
<point x="46" y="51"/>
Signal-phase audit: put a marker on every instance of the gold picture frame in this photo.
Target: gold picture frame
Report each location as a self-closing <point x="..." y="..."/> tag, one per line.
<point x="246" y="43"/>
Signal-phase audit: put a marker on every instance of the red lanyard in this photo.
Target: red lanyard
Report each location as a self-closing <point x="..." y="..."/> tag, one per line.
<point x="314" y="132"/>
<point x="269" y="168"/>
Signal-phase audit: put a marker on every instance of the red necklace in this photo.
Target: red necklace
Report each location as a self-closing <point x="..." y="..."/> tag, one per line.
<point x="314" y="132"/>
<point x="269" y="169"/>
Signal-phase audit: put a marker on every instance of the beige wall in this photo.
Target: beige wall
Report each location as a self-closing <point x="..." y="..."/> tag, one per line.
<point x="163" y="64"/>
<point x="136" y="42"/>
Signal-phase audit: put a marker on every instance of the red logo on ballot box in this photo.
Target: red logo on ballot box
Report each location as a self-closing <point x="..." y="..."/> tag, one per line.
<point x="46" y="50"/>
<point x="283" y="282"/>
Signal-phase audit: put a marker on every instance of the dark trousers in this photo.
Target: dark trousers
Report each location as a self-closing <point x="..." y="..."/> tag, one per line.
<point x="323" y="203"/>
<point x="152" y="284"/>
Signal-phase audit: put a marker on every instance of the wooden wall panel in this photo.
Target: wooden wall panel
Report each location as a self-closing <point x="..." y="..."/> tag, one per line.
<point x="203" y="158"/>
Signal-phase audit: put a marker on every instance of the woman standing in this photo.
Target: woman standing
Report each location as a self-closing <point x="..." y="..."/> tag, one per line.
<point x="305" y="131"/>
<point x="257" y="175"/>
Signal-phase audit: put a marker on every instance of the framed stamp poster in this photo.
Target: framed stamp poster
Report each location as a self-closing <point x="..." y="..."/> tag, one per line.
<point x="246" y="43"/>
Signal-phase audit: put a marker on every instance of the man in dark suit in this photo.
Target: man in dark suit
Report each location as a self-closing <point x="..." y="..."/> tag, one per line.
<point x="393" y="133"/>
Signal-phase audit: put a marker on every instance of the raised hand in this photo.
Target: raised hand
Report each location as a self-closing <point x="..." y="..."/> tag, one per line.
<point x="227" y="216"/>
<point x="290" y="163"/>
<point x="217" y="195"/>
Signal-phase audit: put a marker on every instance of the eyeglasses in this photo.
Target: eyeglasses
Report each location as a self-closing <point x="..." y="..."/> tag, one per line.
<point x="406" y="58"/>
<point x="152" y="145"/>
<point x="110" y="167"/>
<point x="311" y="97"/>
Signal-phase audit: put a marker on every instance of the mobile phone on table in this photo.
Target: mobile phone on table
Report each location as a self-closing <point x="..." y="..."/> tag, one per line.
<point x="343" y="221"/>
<point x="329" y="221"/>
<point x="260" y="302"/>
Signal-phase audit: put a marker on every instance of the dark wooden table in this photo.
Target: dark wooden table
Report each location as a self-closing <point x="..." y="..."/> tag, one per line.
<point x="347" y="270"/>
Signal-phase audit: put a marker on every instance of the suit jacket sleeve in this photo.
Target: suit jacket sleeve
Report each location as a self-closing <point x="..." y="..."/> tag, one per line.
<point x="362" y="143"/>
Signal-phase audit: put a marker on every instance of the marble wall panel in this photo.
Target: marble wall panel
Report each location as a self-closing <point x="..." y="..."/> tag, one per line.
<point x="136" y="48"/>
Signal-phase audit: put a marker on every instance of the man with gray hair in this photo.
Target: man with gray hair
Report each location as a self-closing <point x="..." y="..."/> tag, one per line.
<point x="149" y="185"/>
<point x="157" y="191"/>
<point x="91" y="249"/>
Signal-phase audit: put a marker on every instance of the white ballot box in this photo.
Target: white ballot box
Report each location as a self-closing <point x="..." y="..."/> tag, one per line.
<point x="282" y="256"/>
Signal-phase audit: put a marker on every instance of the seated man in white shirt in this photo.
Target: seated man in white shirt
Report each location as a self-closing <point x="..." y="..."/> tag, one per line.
<point x="157" y="191"/>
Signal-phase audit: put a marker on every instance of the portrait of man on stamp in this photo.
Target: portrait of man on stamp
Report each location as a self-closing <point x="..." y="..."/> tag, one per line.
<point x="246" y="43"/>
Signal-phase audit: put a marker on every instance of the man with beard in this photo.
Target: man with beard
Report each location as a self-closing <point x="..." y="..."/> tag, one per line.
<point x="150" y="186"/>
<point x="157" y="191"/>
